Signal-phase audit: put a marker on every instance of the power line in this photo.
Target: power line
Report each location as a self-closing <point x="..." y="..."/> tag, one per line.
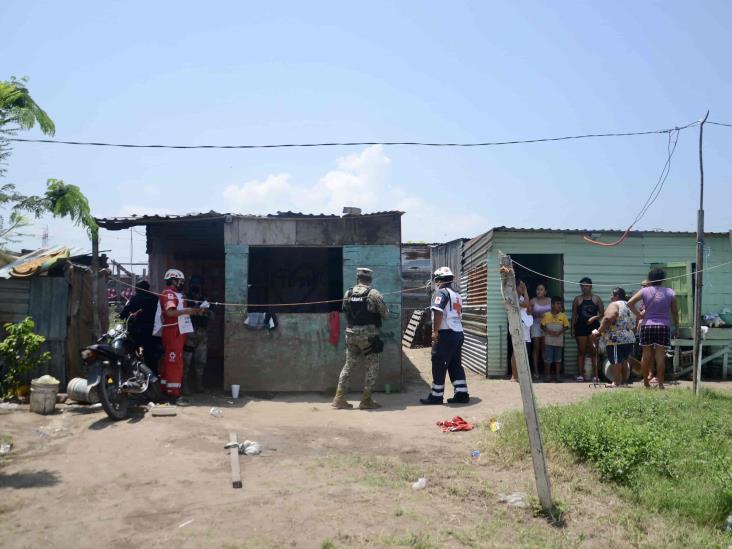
<point x="356" y="143"/>
<point x="621" y="283"/>
<point x="719" y="123"/>
<point x="673" y="140"/>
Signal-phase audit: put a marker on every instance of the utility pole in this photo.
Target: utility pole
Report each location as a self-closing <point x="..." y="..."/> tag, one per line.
<point x="515" y="327"/>
<point x="699" y="265"/>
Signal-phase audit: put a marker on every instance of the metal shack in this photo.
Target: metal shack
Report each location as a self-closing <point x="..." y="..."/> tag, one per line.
<point x="294" y="265"/>
<point x="563" y="255"/>
<point x="54" y="288"/>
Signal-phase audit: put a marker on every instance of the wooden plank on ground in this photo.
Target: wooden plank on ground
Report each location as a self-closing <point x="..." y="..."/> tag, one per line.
<point x="234" y="455"/>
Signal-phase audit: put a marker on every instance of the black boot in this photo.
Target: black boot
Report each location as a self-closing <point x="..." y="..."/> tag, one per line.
<point x="459" y="398"/>
<point x="431" y="399"/>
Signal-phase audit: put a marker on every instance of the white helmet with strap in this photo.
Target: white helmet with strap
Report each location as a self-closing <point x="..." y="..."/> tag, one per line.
<point x="444" y="274"/>
<point x="174" y="273"/>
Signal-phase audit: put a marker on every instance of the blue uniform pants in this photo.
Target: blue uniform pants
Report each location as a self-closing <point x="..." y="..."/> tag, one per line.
<point x="447" y="359"/>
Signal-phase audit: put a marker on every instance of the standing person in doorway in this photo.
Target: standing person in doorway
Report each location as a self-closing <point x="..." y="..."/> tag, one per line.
<point x="365" y="309"/>
<point x="447" y="341"/>
<point x="584" y="307"/>
<point x="527" y="321"/>
<point x="195" y="352"/>
<point x="140" y="309"/>
<point x="172" y="321"/>
<point x="554" y="323"/>
<point x="540" y="305"/>
<point x="660" y="307"/>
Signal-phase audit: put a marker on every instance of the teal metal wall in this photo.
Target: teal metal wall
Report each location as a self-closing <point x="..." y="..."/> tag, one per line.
<point x="297" y="355"/>
<point x="624" y="265"/>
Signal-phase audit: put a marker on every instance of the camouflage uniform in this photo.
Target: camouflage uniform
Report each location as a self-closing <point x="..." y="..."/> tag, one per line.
<point x="358" y="342"/>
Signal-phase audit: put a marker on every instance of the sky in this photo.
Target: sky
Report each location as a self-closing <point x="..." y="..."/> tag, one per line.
<point x="283" y="72"/>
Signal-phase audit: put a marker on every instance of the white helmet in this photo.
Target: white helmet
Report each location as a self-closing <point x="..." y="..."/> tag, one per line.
<point x="443" y="273"/>
<point x="174" y="273"/>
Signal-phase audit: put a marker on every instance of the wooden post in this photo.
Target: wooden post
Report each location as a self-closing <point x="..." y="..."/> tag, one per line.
<point x="511" y="302"/>
<point x="96" y="327"/>
<point x="699" y="265"/>
<point x="234" y="459"/>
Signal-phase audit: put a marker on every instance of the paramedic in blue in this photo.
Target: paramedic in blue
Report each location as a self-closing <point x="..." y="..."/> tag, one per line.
<point x="447" y="341"/>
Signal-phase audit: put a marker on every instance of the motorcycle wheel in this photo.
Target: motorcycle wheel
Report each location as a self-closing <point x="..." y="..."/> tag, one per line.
<point x="113" y="401"/>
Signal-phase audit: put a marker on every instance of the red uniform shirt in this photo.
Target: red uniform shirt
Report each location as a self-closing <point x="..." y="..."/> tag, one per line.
<point x="169" y="300"/>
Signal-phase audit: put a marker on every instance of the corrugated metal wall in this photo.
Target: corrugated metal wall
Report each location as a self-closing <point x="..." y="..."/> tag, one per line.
<point x="450" y="255"/>
<point x="473" y="290"/>
<point x="416" y="273"/>
<point x="14" y="300"/>
<point x="45" y="299"/>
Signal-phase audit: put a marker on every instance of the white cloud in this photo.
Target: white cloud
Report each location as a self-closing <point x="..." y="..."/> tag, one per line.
<point x="360" y="180"/>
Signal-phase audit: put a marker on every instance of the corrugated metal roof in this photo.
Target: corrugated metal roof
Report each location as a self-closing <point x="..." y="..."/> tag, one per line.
<point x="119" y="223"/>
<point x="504" y="229"/>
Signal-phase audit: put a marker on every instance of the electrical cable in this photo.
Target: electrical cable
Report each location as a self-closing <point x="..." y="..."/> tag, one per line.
<point x="407" y="290"/>
<point x="355" y="143"/>
<point x="673" y="140"/>
<point x="621" y="283"/>
<point x="718" y="124"/>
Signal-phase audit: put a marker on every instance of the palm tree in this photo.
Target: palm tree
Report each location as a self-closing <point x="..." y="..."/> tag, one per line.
<point x="18" y="111"/>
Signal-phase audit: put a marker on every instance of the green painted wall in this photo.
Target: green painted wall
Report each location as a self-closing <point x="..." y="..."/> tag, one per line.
<point x="297" y="356"/>
<point x="624" y="265"/>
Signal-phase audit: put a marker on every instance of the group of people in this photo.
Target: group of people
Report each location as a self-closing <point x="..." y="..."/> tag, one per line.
<point x="364" y="308"/>
<point x="644" y="319"/>
<point x="172" y="330"/>
<point x="178" y="324"/>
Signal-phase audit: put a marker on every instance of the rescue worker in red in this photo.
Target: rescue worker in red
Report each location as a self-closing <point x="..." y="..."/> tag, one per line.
<point x="174" y="319"/>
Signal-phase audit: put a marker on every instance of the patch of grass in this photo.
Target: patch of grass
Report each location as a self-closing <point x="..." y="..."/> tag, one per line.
<point x="328" y="544"/>
<point x="417" y="541"/>
<point x="667" y="451"/>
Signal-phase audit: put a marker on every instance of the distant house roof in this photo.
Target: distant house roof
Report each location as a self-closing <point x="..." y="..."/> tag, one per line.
<point x="504" y="229"/>
<point x="119" y="223"/>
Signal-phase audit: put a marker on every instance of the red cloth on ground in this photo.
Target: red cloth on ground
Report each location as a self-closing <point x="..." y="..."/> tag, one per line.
<point x="334" y="324"/>
<point x="455" y="424"/>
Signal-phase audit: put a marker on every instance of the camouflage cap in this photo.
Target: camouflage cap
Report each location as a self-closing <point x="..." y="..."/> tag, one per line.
<point x="364" y="271"/>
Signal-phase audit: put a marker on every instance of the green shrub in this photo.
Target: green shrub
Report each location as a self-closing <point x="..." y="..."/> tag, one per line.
<point x="20" y="353"/>
<point x="667" y="450"/>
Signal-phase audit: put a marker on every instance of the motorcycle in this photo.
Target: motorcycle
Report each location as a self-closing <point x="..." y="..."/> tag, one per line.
<point x="115" y="366"/>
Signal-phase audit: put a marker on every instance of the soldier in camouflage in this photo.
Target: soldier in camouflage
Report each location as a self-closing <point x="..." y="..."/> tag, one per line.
<point x="364" y="308"/>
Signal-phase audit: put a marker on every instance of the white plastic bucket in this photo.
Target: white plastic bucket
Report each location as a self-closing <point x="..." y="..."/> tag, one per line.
<point x="43" y="397"/>
<point x="235" y="391"/>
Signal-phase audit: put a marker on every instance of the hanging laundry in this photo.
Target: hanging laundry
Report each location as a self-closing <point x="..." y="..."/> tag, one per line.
<point x="334" y="325"/>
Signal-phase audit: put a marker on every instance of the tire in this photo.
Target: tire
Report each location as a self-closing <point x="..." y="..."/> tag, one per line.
<point x="113" y="402"/>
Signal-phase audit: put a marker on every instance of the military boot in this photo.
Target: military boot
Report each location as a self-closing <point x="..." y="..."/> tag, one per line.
<point x="340" y="402"/>
<point x="368" y="403"/>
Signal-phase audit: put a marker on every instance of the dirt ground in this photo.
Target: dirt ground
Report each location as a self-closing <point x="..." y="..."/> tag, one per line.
<point x="326" y="478"/>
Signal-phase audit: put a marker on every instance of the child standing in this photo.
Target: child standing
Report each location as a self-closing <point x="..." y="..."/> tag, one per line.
<point x="554" y="323"/>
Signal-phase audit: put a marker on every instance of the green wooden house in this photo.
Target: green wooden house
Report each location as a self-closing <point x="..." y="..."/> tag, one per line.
<point x="260" y="264"/>
<point x="563" y="255"/>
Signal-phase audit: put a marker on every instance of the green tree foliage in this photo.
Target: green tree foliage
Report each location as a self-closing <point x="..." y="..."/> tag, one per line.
<point x="18" y="112"/>
<point x="20" y="352"/>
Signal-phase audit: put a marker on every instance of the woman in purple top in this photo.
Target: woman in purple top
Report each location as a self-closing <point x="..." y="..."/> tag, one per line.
<point x="659" y="306"/>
